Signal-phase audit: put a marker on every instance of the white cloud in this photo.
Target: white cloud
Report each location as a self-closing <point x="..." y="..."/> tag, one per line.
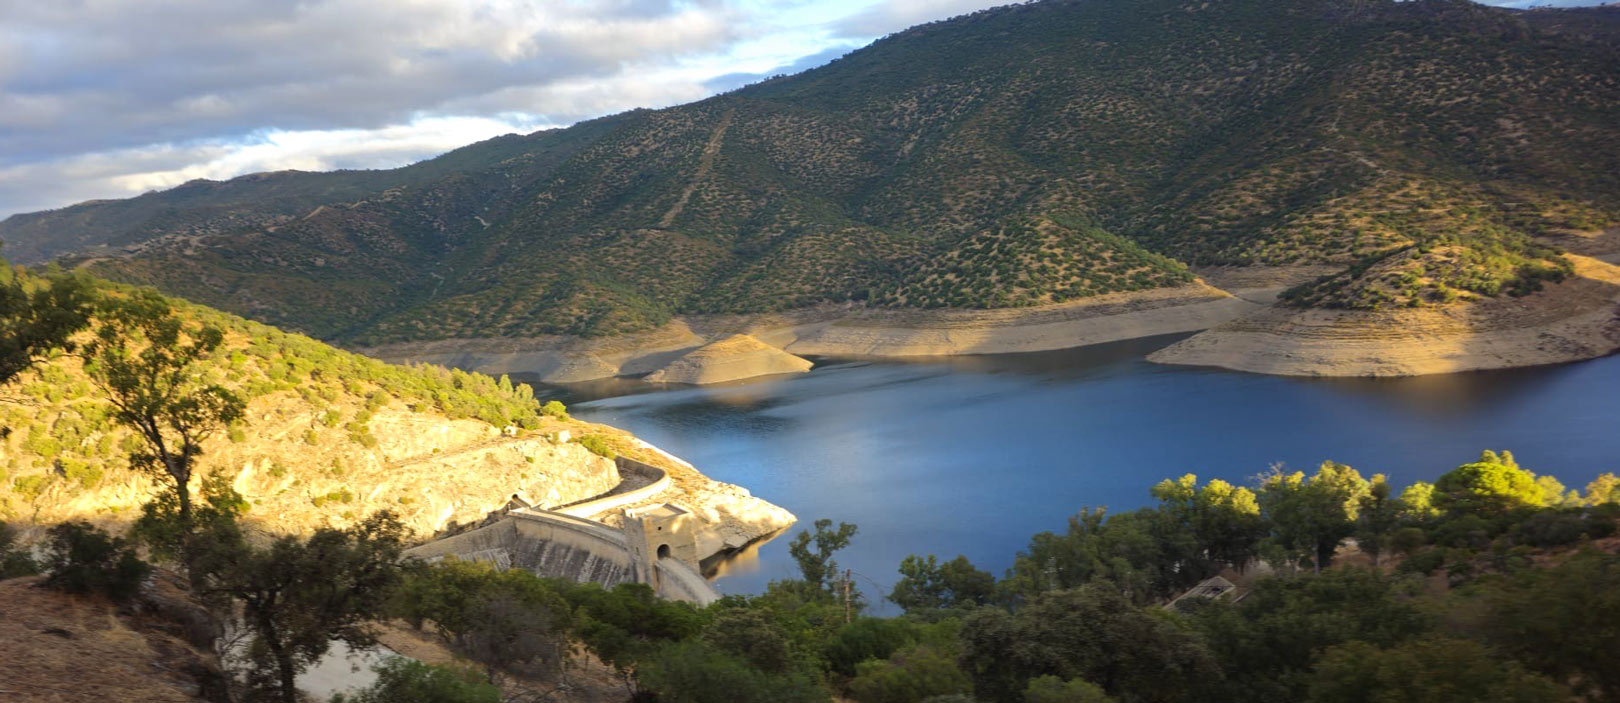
<point x="126" y="172"/>
<point x="108" y="98"/>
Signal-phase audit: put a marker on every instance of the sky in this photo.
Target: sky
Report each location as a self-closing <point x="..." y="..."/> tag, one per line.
<point x="112" y="98"/>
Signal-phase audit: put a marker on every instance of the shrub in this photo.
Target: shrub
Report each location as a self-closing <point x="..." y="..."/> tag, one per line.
<point x="14" y="561"/>
<point x="910" y="674"/>
<point x="598" y="446"/>
<point x="1555" y="528"/>
<point x="338" y="496"/>
<point x="693" y="672"/>
<point x="83" y="559"/>
<point x="1051" y="689"/>
<point x="85" y="474"/>
<point x="1423" y="562"/>
<point x="1408" y="540"/>
<point x="555" y="409"/>
<point x="401" y="680"/>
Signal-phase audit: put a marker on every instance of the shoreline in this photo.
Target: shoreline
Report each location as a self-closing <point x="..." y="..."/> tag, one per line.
<point x="840" y="331"/>
<point x="1238" y="328"/>
<point x="1575" y="320"/>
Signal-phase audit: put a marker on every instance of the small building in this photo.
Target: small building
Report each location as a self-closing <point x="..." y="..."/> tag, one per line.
<point x="1213" y="588"/>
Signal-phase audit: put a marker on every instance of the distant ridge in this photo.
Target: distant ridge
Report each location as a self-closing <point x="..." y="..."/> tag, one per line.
<point x="1019" y="156"/>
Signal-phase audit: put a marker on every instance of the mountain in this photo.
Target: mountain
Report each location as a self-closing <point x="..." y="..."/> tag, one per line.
<point x="1430" y="152"/>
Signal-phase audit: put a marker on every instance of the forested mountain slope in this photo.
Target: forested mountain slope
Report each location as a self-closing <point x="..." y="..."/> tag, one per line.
<point x="1018" y="156"/>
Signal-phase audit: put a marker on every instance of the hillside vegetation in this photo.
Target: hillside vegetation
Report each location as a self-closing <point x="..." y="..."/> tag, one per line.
<point x="319" y="423"/>
<point x="1017" y="156"/>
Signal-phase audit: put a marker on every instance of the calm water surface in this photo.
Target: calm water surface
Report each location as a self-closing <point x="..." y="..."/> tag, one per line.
<point x="973" y="455"/>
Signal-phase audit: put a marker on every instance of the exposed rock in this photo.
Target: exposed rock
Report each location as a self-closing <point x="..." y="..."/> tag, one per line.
<point x="735" y="357"/>
<point x="584" y="366"/>
<point x="1574" y="320"/>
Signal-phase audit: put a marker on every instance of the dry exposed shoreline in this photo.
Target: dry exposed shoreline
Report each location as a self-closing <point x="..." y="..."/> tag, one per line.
<point x="1240" y="330"/>
<point x="677" y="350"/>
<point x="1571" y="321"/>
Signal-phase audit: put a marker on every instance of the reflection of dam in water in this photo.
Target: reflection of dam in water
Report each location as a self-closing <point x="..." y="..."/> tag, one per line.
<point x="657" y="544"/>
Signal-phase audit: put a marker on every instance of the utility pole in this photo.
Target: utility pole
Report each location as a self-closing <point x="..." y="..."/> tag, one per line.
<point x="847" y="613"/>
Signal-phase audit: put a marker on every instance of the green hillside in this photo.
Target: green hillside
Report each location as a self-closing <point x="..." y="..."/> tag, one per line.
<point x="313" y="411"/>
<point x="1018" y="156"/>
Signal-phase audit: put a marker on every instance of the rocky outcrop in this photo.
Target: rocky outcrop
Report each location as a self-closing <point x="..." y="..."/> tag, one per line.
<point x="1574" y="320"/>
<point x="735" y="357"/>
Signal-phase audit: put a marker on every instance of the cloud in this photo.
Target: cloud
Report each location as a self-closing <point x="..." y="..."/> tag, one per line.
<point x="891" y="16"/>
<point x="733" y="81"/>
<point x="126" y="172"/>
<point x="107" y="98"/>
<point x="110" y="74"/>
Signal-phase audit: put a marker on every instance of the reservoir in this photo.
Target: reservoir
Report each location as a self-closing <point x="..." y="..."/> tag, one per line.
<point x="973" y="455"/>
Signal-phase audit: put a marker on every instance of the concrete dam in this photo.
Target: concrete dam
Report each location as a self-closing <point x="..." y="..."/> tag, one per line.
<point x="657" y="544"/>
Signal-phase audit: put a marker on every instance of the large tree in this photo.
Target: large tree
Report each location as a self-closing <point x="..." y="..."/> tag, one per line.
<point x="38" y="315"/>
<point x="814" y="551"/>
<point x="1492" y="485"/>
<point x="149" y="360"/>
<point x="297" y="596"/>
<point x="1310" y="517"/>
<point x="926" y="584"/>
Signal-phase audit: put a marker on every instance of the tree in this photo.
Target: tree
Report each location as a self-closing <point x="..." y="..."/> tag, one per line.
<point x="1490" y="486"/>
<point x="1091" y="633"/>
<point x="626" y="625"/>
<point x="1051" y="689"/>
<point x="748" y="635"/>
<point x="298" y="596"/>
<point x="37" y="316"/>
<point x="1127" y="550"/>
<point x="1378" y="519"/>
<point x="148" y="360"/>
<point x="925" y="584"/>
<point x="1417" y="503"/>
<point x="1430" y="669"/>
<point x="864" y="639"/>
<point x="401" y="680"/>
<point x="1223" y="520"/>
<point x="1563" y="622"/>
<point x="509" y="621"/>
<point x="1268" y="642"/>
<point x="1310" y="517"/>
<point x="1602" y="490"/>
<point x="909" y="675"/>
<point x="697" y="672"/>
<point x="817" y="565"/>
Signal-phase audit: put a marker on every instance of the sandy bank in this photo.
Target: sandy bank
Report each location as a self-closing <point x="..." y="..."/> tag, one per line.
<point x="839" y="331"/>
<point x="1574" y="320"/>
<point x="1108" y="318"/>
<point x="735" y="357"/>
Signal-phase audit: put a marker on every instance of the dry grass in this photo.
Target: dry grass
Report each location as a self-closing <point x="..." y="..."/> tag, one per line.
<point x="59" y="648"/>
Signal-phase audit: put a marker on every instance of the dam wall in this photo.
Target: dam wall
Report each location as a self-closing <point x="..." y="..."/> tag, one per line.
<point x="555" y="545"/>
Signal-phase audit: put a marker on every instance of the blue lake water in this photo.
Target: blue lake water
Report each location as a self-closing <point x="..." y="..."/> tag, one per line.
<point x="973" y="455"/>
